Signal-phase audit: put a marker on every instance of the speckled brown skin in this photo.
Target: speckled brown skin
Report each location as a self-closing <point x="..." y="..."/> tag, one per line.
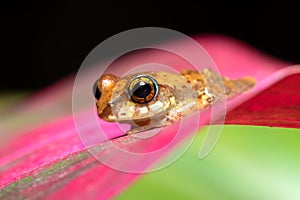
<point x="179" y="95"/>
<point x="217" y="87"/>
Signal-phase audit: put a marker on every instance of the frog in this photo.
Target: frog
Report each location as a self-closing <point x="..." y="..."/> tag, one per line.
<point x="154" y="99"/>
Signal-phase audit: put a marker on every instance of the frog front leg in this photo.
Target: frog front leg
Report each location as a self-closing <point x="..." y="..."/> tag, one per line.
<point x="155" y="122"/>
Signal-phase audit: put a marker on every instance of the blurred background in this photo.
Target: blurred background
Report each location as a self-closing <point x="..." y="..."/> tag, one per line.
<point x="45" y="41"/>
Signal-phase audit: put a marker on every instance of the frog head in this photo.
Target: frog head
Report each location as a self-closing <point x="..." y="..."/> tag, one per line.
<point x="140" y="97"/>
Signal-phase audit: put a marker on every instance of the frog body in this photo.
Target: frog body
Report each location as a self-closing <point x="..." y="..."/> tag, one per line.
<point x="155" y="99"/>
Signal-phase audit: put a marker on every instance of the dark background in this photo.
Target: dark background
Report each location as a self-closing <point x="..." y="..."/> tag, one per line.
<point x="43" y="42"/>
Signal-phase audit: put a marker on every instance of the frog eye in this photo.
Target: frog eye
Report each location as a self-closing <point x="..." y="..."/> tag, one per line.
<point x="96" y="91"/>
<point x="143" y="89"/>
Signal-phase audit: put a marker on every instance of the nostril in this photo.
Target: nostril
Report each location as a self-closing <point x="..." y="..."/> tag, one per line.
<point x="96" y="91"/>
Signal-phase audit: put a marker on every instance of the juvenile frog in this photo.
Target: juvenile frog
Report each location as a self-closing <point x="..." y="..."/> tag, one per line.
<point x="155" y="99"/>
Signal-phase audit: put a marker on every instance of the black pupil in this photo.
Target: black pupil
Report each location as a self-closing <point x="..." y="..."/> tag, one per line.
<point x="96" y="91"/>
<point x="142" y="90"/>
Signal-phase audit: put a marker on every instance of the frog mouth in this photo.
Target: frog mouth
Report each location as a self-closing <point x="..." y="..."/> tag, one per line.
<point x="109" y="115"/>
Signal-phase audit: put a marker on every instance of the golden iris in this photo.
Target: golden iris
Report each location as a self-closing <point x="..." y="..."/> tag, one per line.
<point x="142" y="89"/>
